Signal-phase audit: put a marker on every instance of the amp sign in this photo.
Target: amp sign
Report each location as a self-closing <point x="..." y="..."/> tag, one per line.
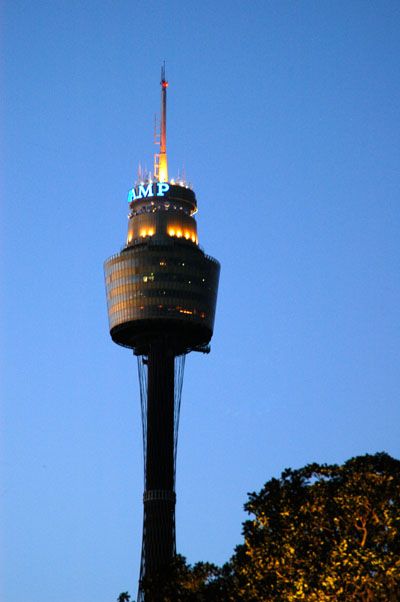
<point x="147" y="190"/>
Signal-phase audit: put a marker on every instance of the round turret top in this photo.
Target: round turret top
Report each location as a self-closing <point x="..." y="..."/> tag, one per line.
<point x="179" y="196"/>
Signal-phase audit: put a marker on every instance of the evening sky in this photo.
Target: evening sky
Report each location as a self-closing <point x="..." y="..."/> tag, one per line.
<point x="285" y="117"/>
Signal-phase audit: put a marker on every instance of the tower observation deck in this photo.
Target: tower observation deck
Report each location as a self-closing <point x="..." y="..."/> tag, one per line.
<point x="161" y="298"/>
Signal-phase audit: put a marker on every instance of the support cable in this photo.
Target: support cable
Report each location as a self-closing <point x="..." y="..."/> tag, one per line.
<point x="142" y="363"/>
<point x="179" y="372"/>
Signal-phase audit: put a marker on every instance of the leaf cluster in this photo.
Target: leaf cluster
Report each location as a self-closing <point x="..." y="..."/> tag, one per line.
<point x="324" y="532"/>
<point x="321" y="533"/>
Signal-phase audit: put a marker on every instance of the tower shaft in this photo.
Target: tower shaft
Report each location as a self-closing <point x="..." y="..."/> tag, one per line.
<point x="160" y="418"/>
<point x="159" y="545"/>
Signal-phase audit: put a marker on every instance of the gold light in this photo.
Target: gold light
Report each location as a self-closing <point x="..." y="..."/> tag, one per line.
<point x="146" y="232"/>
<point x="179" y="233"/>
<point x="163" y="168"/>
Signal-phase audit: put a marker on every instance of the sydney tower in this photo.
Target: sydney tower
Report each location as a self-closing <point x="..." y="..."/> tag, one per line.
<point x="161" y="297"/>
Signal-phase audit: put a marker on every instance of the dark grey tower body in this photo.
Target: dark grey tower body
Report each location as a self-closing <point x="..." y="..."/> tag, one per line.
<point x="161" y="296"/>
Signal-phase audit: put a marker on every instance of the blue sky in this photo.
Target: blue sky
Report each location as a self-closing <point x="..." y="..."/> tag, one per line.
<point x="285" y="116"/>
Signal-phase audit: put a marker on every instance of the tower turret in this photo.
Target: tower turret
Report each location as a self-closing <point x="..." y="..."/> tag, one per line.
<point x="161" y="297"/>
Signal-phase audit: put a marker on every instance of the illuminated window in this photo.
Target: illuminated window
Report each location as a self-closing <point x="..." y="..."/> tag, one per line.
<point x="179" y="233"/>
<point x="146" y="232"/>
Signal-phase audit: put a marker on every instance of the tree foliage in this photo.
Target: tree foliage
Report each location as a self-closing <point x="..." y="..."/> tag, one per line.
<point x="181" y="582"/>
<point x="323" y="533"/>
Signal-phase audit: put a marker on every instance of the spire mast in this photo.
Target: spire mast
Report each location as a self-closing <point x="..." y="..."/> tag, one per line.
<point x="161" y="161"/>
<point x="163" y="137"/>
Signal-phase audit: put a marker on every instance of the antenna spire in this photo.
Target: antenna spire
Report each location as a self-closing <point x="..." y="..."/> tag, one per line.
<point x="160" y="159"/>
